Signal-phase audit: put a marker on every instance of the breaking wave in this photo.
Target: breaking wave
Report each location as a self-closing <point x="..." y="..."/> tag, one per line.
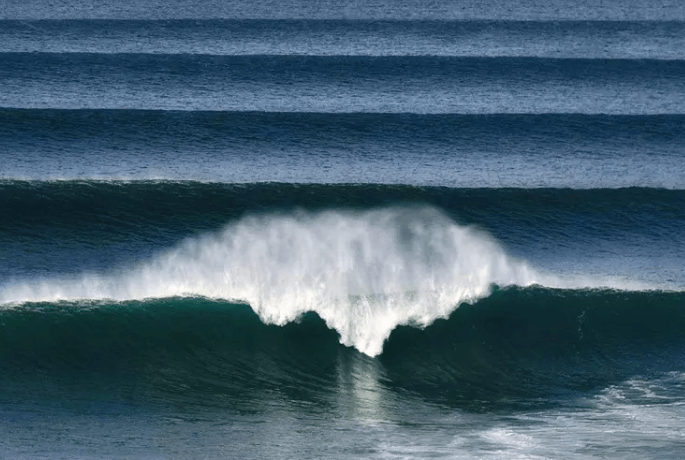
<point x="363" y="272"/>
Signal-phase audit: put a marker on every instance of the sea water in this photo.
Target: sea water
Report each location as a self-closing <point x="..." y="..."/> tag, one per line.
<point x="342" y="230"/>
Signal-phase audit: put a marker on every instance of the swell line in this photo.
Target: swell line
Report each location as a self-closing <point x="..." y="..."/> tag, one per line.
<point x="455" y="150"/>
<point x="348" y="9"/>
<point x="342" y="83"/>
<point x="406" y="64"/>
<point x="49" y="121"/>
<point x="598" y="39"/>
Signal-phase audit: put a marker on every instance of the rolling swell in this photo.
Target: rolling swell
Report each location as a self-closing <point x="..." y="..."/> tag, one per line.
<point x="588" y="39"/>
<point x="417" y="84"/>
<point x="139" y="209"/>
<point x="272" y="68"/>
<point x="455" y="150"/>
<point x="197" y="128"/>
<point x="407" y="9"/>
<point x="35" y="202"/>
<point x="517" y="345"/>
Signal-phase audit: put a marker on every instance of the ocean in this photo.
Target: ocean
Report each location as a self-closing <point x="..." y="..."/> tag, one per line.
<point x="342" y="230"/>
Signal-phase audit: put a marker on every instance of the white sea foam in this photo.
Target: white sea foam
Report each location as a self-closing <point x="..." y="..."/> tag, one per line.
<point x="364" y="273"/>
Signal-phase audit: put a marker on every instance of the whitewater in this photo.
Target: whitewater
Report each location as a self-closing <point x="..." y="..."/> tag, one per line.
<point x="363" y="273"/>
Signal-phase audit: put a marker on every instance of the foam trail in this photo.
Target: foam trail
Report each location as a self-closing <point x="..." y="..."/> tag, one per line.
<point x="364" y="273"/>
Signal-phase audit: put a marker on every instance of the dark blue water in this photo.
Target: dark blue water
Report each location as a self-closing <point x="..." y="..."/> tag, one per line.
<point x="342" y="230"/>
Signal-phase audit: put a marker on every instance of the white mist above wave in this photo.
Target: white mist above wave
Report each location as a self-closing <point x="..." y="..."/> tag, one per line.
<point x="364" y="273"/>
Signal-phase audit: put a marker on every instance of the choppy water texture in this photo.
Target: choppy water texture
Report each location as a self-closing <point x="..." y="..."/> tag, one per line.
<point x="342" y="230"/>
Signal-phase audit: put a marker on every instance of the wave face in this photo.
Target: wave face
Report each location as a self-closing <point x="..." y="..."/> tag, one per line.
<point x="520" y="346"/>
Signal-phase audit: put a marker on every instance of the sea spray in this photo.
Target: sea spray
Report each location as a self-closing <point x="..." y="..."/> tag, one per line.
<point x="364" y="273"/>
